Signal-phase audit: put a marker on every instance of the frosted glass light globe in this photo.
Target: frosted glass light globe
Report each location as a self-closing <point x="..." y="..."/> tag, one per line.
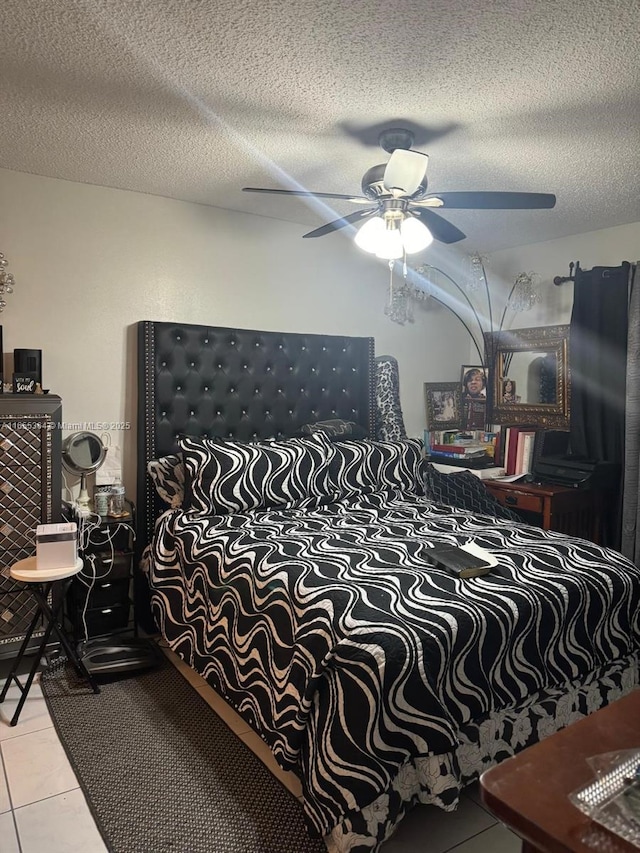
<point x="415" y="235"/>
<point x="390" y="244"/>
<point x="368" y="235"/>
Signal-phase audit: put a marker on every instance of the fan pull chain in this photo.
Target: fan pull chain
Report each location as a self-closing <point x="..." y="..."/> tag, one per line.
<point x="388" y="310"/>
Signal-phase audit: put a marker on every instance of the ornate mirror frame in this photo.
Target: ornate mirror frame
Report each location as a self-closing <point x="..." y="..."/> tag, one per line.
<point x="544" y="339"/>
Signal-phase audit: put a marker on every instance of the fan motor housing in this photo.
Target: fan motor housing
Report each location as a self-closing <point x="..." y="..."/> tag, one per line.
<point x="395" y="137"/>
<point x="372" y="185"/>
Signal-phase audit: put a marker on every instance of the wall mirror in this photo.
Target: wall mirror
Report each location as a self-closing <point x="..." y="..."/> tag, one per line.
<point x="529" y="376"/>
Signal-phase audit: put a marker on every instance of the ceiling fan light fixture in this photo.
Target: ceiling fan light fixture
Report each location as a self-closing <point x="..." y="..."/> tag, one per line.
<point x="391" y="237"/>
<point x="390" y="246"/>
<point x="368" y="235"/>
<point x="415" y="235"/>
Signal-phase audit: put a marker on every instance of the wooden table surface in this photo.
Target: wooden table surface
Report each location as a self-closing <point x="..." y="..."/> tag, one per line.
<point x="529" y="792"/>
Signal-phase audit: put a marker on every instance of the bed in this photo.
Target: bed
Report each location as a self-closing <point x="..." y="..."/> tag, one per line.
<point x="295" y="577"/>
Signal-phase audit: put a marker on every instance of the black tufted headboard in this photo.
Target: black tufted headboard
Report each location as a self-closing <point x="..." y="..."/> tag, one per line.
<point x="242" y="384"/>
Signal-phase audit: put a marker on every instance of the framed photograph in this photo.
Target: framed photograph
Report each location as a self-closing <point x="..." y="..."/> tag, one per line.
<point x="443" y="404"/>
<point x="474" y="380"/>
<point x="509" y="394"/>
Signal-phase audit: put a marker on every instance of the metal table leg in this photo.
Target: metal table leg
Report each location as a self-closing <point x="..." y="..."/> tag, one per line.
<point x="49" y="614"/>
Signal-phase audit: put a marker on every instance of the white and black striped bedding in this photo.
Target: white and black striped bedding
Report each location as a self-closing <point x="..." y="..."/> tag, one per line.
<point x="355" y="659"/>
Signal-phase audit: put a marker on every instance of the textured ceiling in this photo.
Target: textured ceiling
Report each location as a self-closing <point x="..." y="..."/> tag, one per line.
<point x="194" y="99"/>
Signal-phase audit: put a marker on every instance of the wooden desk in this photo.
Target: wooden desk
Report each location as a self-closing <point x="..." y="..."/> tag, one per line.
<point x="529" y="792"/>
<point x="561" y="508"/>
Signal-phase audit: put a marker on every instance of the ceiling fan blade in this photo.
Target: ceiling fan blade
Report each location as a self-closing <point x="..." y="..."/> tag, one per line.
<point x="442" y="230"/>
<point x="340" y="223"/>
<point x="356" y="199"/>
<point x="405" y="171"/>
<point x="490" y="201"/>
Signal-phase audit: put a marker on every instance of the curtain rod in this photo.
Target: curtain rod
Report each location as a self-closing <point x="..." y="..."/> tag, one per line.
<point x="560" y="279"/>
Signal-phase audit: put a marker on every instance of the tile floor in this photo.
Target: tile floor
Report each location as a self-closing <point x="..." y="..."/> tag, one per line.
<point x="43" y="808"/>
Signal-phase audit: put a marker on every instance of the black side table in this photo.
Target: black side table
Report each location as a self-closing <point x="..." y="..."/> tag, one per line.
<point x="39" y="583"/>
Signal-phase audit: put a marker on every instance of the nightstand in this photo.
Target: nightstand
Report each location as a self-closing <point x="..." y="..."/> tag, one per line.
<point x="103" y="607"/>
<point x="561" y="508"/>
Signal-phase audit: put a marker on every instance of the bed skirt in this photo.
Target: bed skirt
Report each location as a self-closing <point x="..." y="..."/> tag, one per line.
<point x="439" y="779"/>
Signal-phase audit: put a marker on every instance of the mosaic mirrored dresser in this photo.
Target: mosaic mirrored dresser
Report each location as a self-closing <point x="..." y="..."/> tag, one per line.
<point x="30" y="491"/>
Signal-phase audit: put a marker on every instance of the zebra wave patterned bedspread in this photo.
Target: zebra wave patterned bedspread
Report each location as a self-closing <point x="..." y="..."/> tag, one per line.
<point x="332" y="634"/>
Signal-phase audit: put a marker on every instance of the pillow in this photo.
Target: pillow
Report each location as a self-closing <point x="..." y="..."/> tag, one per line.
<point x="231" y="476"/>
<point x="360" y="467"/>
<point x="389" y="420"/>
<point x="464" y="490"/>
<point x="167" y="475"/>
<point x="334" y="428"/>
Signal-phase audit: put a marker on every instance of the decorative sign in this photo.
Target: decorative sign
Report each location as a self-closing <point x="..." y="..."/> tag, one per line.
<point x="24" y="383"/>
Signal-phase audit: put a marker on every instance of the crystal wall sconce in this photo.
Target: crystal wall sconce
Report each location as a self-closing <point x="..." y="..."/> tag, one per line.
<point x="7" y="282"/>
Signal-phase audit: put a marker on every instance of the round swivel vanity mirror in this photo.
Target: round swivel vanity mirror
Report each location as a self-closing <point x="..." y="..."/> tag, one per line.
<point x="83" y="453"/>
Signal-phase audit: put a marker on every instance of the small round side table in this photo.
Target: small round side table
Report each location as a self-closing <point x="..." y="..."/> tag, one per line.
<point x="39" y="583"/>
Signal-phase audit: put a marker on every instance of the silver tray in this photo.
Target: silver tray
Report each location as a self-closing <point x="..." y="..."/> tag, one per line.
<point x="607" y="800"/>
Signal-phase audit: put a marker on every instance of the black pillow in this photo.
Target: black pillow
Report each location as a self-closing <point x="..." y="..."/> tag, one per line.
<point x="464" y="490"/>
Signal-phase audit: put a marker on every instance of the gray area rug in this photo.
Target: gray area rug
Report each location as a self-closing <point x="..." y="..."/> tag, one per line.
<point x="162" y="772"/>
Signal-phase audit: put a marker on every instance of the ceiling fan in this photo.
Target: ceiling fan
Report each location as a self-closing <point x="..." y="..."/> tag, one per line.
<point x="401" y="215"/>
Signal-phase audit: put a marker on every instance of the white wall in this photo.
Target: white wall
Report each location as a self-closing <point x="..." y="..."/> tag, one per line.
<point x="608" y="247"/>
<point x="90" y="262"/>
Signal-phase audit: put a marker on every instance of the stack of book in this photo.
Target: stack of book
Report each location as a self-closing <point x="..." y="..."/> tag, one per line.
<point x="455" y="436"/>
<point x="469" y="449"/>
<point x="467" y="455"/>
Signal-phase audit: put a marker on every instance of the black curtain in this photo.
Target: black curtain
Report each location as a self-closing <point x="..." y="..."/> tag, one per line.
<point x="597" y="357"/>
<point x="630" y="545"/>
